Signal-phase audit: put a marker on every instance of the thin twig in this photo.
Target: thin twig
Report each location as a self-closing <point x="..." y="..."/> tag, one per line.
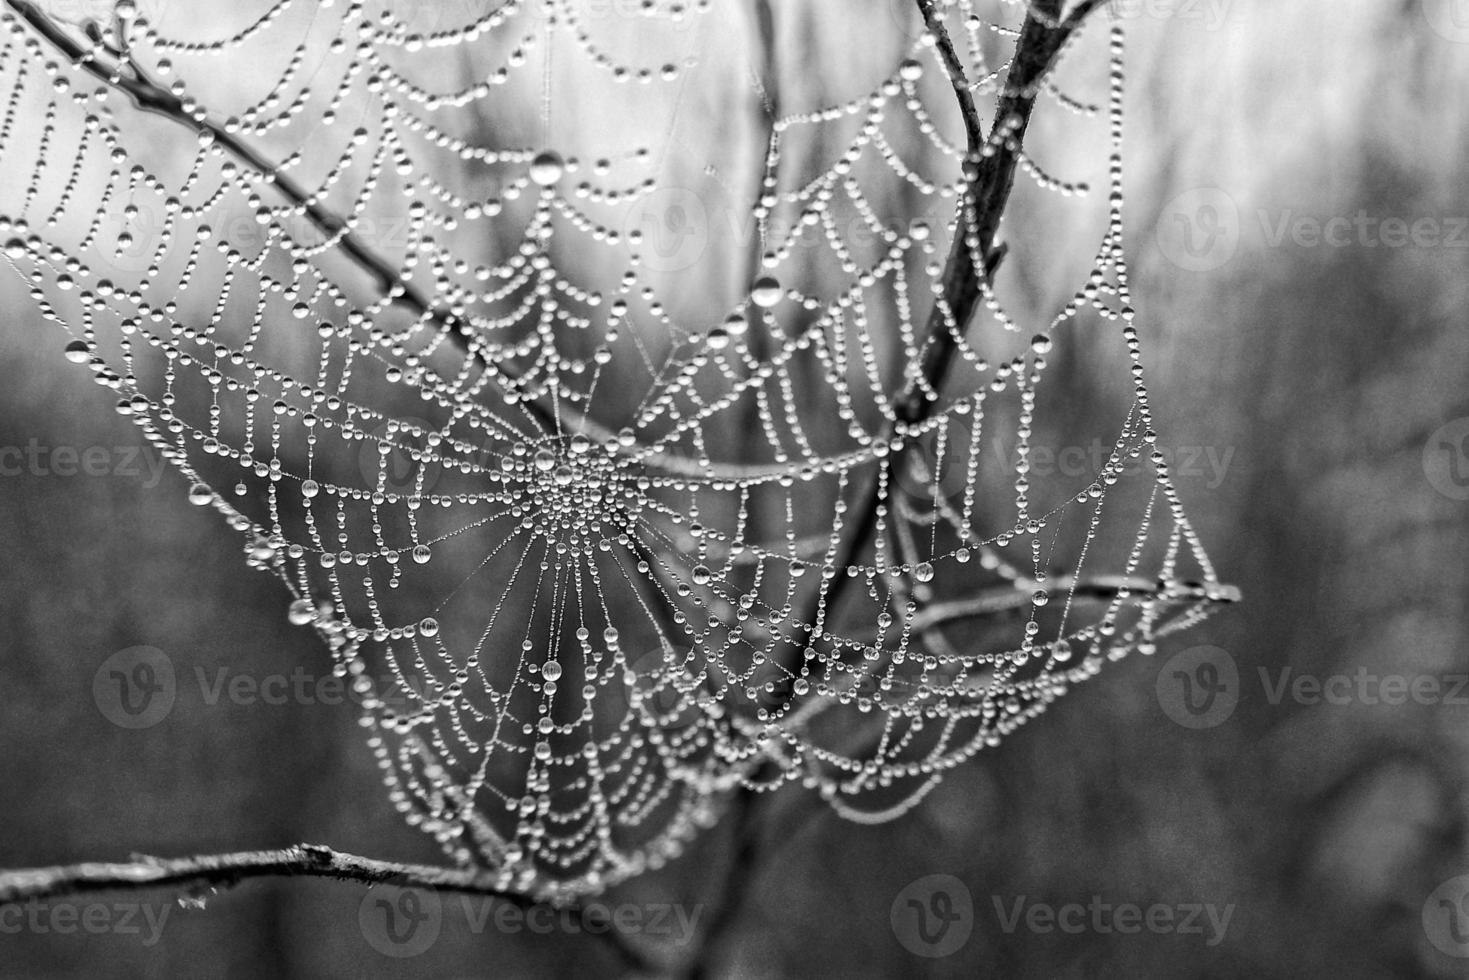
<point x="227" y="870"/>
<point x="1101" y="588"/>
<point x="215" y="872"/>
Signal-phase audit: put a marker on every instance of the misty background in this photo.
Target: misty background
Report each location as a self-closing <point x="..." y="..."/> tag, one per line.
<point x="1309" y="375"/>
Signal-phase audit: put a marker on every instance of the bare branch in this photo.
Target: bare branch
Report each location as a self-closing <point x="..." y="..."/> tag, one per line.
<point x="228" y="870"/>
<point x="990" y="169"/>
<point x="1101" y="588"/>
<point x="204" y="873"/>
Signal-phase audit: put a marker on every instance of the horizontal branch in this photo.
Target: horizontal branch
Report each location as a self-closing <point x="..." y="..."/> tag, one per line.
<point x="1103" y="588"/>
<point x="215" y="872"/>
<point x="227" y="870"/>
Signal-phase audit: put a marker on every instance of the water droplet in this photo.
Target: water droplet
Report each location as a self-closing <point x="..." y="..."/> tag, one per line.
<point x="301" y="612"/>
<point x="1040" y="343"/>
<point x="911" y="70"/>
<point x="551" y="670"/>
<point x="15" y="248"/>
<point x="428" y="626"/>
<point x="702" y="575"/>
<point x="422" y="554"/>
<point x="766" y="292"/>
<point x="923" y="572"/>
<point x="310" y="488"/>
<point x="718" y="338"/>
<point x="547" y="168"/>
<point x="1040" y="597"/>
<point x="77" y="352"/>
<point x="200" y="494"/>
<point x="545" y="460"/>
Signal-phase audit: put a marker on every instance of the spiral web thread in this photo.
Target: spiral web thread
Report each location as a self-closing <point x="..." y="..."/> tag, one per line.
<point x="563" y="541"/>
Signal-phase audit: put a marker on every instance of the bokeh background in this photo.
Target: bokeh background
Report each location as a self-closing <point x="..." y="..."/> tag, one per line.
<point x="1319" y="381"/>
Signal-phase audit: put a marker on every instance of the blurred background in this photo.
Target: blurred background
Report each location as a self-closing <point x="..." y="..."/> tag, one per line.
<point x="1299" y="235"/>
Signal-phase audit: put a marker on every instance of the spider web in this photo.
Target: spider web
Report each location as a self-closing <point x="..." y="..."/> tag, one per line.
<point x="581" y="555"/>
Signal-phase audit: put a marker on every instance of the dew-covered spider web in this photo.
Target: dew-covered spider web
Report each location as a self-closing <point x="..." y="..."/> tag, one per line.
<point x="597" y="550"/>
